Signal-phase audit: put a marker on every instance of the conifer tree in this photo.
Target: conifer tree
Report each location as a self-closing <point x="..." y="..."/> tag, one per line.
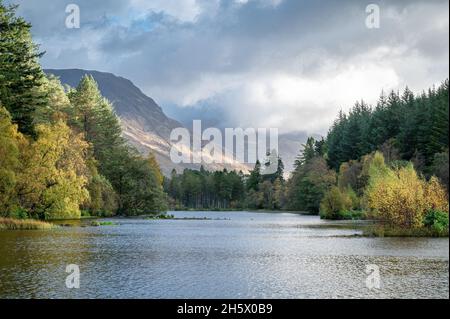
<point x="20" y="72"/>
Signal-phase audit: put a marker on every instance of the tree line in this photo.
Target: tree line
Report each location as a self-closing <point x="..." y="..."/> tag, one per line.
<point x="201" y="189"/>
<point x="407" y="127"/>
<point x="388" y="162"/>
<point x="61" y="149"/>
<point x="62" y="155"/>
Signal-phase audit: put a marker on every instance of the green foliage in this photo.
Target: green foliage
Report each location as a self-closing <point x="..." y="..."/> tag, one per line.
<point x="18" y="213"/>
<point x="255" y="178"/>
<point x="226" y="190"/>
<point x="52" y="178"/>
<point x="102" y="197"/>
<point x="20" y="73"/>
<point x="137" y="184"/>
<point x="62" y="152"/>
<point x="352" y="215"/>
<point x="66" y="153"/>
<point x="308" y="153"/>
<point x="389" y="231"/>
<point x="308" y="184"/>
<point x="206" y="190"/>
<point x="93" y="115"/>
<point x="339" y="204"/>
<point x="58" y="105"/>
<point x="440" y="168"/>
<point x="9" y="161"/>
<point x="125" y="179"/>
<point x="351" y="176"/>
<point x="406" y="127"/>
<point x="108" y="224"/>
<point x="42" y="178"/>
<point x="437" y="221"/>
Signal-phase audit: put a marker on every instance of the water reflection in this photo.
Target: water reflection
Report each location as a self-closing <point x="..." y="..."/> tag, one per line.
<point x="251" y="255"/>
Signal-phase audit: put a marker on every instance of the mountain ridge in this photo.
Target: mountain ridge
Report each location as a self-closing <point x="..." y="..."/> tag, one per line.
<point x="144" y="123"/>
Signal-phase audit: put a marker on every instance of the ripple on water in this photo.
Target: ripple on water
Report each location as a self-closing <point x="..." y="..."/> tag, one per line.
<point x="251" y="255"/>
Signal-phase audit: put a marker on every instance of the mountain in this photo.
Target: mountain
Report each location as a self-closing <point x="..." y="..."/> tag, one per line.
<point x="143" y="121"/>
<point x="129" y="102"/>
<point x="289" y="144"/>
<point x="148" y="128"/>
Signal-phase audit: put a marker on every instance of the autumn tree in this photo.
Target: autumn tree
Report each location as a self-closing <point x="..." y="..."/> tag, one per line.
<point x="400" y="197"/>
<point x="9" y="162"/>
<point x="52" y="179"/>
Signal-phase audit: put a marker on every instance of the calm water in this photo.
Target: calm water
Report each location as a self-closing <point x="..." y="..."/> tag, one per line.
<point x="249" y="255"/>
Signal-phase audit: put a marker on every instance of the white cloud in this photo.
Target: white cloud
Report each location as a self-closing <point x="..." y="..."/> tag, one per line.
<point x="290" y="63"/>
<point x="289" y="101"/>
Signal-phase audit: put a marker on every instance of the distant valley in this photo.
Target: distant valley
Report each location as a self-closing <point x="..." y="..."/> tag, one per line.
<point x="148" y="128"/>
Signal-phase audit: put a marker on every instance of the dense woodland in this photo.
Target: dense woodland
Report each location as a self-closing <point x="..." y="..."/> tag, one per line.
<point x="388" y="162"/>
<point x="226" y="189"/>
<point x="61" y="149"/>
<point x="62" y="155"/>
<point x="403" y="128"/>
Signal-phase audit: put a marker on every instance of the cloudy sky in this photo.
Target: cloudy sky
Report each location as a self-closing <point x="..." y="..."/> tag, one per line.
<point x="290" y="64"/>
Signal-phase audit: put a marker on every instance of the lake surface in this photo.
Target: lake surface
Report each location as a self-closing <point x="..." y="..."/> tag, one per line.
<point x="231" y="255"/>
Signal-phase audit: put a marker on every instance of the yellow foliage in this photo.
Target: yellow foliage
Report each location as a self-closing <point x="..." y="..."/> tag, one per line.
<point x="400" y="197"/>
<point x="23" y="224"/>
<point x="436" y="196"/>
<point x="336" y="201"/>
<point x="10" y="139"/>
<point x="155" y="167"/>
<point x="52" y="181"/>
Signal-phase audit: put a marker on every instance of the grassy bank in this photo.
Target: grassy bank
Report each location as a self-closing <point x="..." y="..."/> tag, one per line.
<point x="23" y="224"/>
<point x="385" y="231"/>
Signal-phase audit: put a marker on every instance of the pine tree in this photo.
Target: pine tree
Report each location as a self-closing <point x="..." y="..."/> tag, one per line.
<point x="417" y="126"/>
<point x="94" y="116"/>
<point x="20" y="74"/>
<point x="407" y="138"/>
<point x="307" y="154"/>
<point x="255" y="177"/>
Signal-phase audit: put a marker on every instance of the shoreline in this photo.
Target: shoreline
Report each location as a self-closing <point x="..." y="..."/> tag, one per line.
<point x="24" y="224"/>
<point x="368" y="231"/>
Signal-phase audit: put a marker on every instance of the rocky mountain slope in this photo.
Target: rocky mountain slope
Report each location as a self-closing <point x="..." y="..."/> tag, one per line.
<point x="144" y="123"/>
<point x="147" y="127"/>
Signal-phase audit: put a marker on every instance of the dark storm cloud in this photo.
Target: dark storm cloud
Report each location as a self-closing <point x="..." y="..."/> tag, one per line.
<point x="262" y="62"/>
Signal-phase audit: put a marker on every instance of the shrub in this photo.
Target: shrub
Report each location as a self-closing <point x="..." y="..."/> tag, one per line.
<point x="437" y="220"/>
<point x="436" y="195"/>
<point x="352" y="215"/>
<point x="85" y="213"/>
<point x="336" y="203"/>
<point x="399" y="197"/>
<point x="387" y="231"/>
<point x="19" y="213"/>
